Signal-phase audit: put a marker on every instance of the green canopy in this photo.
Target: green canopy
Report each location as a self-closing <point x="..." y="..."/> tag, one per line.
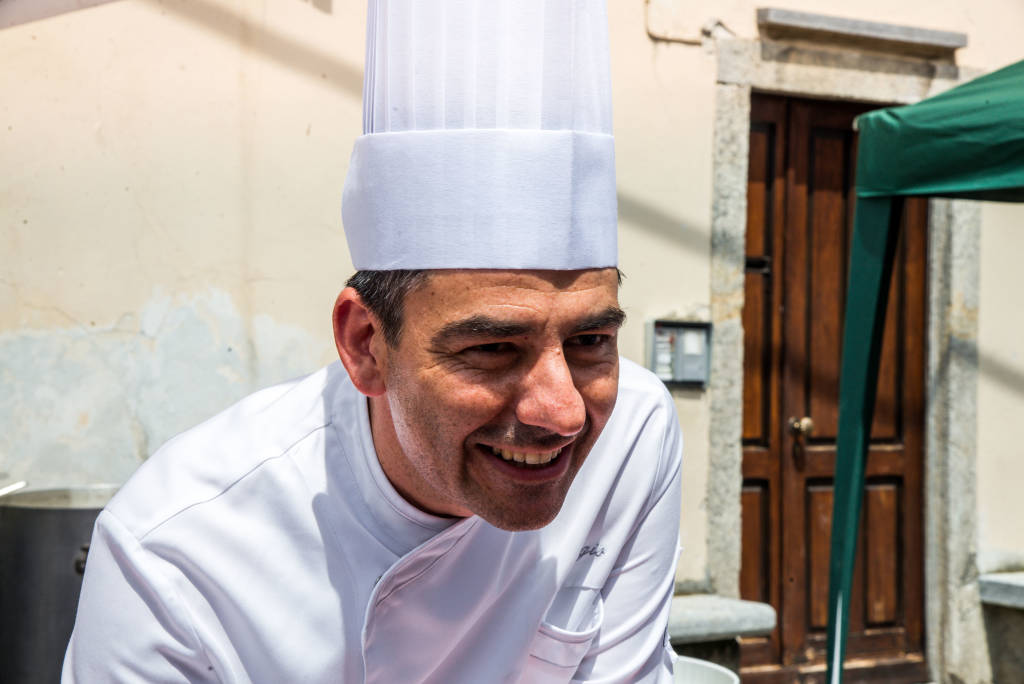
<point x="965" y="143"/>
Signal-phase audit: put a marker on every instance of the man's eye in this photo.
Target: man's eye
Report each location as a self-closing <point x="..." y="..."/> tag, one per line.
<point x="490" y="348"/>
<point x="592" y="340"/>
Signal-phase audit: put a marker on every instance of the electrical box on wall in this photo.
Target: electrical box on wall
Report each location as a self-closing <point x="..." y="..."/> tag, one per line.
<point x="679" y="352"/>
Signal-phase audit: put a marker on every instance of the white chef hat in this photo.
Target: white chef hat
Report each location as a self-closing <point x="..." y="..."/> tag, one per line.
<point x="487" y="137"/>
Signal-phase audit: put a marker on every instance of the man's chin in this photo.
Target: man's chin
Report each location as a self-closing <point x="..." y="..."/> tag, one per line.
<point x="519" y="514"/>
<point x="519" y="499"/>
<point x="514" y="523"/>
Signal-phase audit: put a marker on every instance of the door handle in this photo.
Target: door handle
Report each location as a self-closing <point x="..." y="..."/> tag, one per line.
<point x="801" y="427"/>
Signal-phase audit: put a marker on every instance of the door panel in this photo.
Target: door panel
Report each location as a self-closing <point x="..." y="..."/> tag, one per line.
<point x="761" y="509"/>
<point x="799" y="218"/>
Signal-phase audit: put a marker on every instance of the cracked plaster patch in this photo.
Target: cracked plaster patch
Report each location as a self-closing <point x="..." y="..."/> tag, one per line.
<point x="83" y="406"/>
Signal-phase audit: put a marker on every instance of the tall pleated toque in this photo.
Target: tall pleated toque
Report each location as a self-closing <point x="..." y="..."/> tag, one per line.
<point x="487" y="137"/>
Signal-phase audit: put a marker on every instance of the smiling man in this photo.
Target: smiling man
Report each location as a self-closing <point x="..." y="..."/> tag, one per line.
<point x="491" y="400"/>
<point x="481" y="490"/>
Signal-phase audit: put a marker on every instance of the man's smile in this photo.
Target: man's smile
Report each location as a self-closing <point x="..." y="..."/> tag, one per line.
<point x="527" y="458"/>
<point x="513" y="467"/>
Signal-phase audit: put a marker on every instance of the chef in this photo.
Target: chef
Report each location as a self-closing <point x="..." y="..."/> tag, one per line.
<point x="480" y="490"/>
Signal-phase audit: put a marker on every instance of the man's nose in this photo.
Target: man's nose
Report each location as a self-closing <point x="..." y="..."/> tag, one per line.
<point x="549" y="398"/>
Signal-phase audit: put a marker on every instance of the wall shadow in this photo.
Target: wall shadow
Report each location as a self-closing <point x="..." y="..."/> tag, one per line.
<point x="998" y="371"/>
<point x="290" y="53"/>
<point x="662" y="223"/>
<point x="325" y="6"/>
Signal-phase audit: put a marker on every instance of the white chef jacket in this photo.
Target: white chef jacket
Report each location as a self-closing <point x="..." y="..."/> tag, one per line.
<point x="267" y="545"/>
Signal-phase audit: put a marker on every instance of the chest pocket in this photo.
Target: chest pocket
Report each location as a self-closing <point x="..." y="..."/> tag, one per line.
<point x="564" y="636"/>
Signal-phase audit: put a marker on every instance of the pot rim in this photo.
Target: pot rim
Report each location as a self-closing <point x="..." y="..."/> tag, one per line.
<point x="75" y="497"/>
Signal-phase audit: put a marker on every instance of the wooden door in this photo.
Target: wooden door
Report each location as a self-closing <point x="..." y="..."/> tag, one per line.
<point x="799" y="220"/>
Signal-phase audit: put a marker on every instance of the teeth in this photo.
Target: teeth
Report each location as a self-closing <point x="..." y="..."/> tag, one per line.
<point x="527" y="458"/>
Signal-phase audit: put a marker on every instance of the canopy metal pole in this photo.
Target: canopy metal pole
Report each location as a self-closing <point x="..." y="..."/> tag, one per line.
<point x="872" y="252"/>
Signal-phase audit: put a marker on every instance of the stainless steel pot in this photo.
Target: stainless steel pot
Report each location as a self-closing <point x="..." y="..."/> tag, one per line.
<point x="44" y="539"/>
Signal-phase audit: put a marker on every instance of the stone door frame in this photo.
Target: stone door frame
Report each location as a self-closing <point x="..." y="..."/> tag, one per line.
<point x="955" y="642"/>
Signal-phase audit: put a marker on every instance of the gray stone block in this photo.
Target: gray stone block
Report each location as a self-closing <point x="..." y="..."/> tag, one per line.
<point x="703" y="618"/>
<point x="782" y="24"/>
<point x="1003" y="589"/>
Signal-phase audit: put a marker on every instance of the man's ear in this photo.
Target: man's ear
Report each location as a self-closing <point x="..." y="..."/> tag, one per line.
<point x="356" y="333"/>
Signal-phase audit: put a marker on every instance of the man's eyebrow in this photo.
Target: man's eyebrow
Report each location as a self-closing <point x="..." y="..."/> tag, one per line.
<point x="478" y="327"/>
<point x="485" y="327"/>
<point x="612" y="317"/>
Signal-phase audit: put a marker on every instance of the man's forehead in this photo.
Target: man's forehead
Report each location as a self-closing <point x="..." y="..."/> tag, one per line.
<point x="553" y="281"/>
<point x="461" y="304"/>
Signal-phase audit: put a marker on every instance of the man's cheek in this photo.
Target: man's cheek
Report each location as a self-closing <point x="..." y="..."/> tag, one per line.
<point x="600" y="392"/>
<point x="474" y="398"/>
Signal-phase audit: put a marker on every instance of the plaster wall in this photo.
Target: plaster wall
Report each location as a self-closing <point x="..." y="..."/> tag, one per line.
<point x="1000" y="390"/>
<point x="664" y="109"/>
<point x="169" y="203"/>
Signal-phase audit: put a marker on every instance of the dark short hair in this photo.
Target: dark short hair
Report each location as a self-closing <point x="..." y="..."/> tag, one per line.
<point x="383" y="293"/>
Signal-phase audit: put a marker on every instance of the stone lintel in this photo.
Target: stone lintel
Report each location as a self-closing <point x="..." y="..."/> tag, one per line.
<point x="698" y="618"/>
<point x="906" y="40"/>
<point x="1002" y="589"/>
